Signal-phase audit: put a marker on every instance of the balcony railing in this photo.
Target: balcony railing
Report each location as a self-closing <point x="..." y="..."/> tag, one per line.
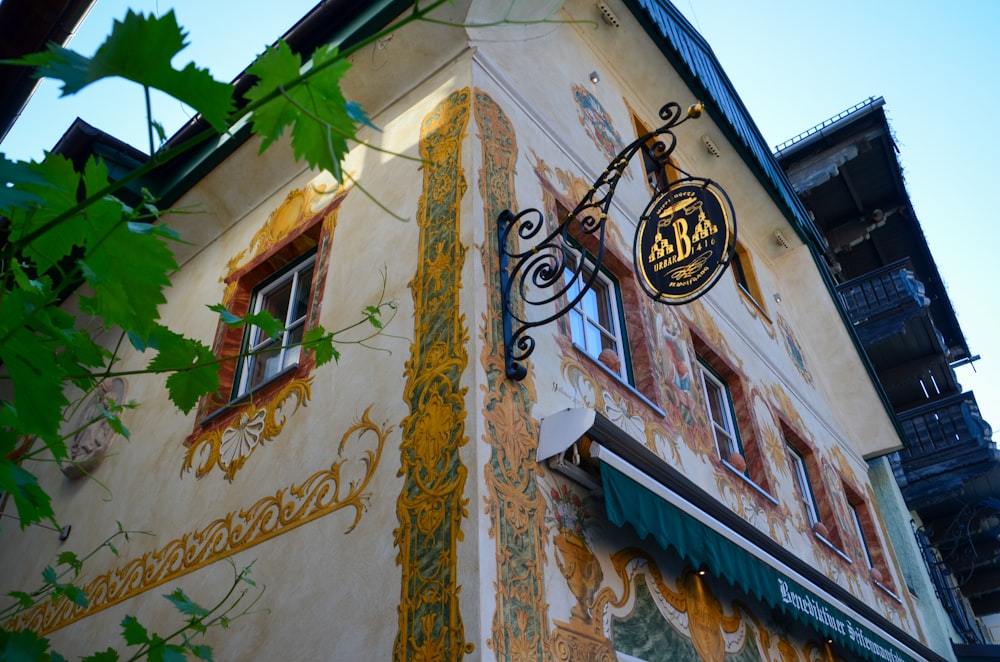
<point x="880" y="302"/>
<point x="959" y="612"/>
<point x="947" y="443"/>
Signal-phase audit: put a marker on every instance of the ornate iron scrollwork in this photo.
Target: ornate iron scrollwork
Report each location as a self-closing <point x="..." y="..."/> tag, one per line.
<point x="548" y="270"/>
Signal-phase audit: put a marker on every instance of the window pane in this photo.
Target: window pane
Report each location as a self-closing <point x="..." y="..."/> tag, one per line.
<point x="593" y="340"/>
<point x="589" y="303"/>
<point x="805" y="488"/>
<point x="576" y="326"/>
<point x="265" y="365"/>
<point x="609" y="342"/>
<point x="594" y="320"/>
<point x="276" y="301"/>
<point x="861" y="536"/>
<point x="292" y="354"/>
<point x="715" y="400"/>
<point x="604" y="311"/>
<point x="302" y="294"/>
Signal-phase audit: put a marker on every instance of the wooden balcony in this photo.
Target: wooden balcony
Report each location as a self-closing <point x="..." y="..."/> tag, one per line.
<point x="948" y="443"/>
<point x="881" y="302"/>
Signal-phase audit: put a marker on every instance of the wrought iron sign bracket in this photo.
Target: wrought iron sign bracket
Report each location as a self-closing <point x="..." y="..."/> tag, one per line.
<point x="542" y="270"/>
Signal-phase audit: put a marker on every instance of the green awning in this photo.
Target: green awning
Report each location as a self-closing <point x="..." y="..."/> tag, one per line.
<point x="697" y="543"/>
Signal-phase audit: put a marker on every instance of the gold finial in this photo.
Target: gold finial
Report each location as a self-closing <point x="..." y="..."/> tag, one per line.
<point x="694" y="112"/>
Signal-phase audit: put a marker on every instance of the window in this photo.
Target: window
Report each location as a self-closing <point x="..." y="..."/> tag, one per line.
<point x="867" y="536"/>
<point x="286" y="297"/>
<point x="730" y="416"/>
<point x="812" y="491"/>
<point x="805" y="491"/>
<point x="657" y="177"/>
<point x="859" y="529"/>
<point x="282" y="272"/>
<point x="746" y="277"/>
<point x="596" y="321"/>
<point x="720" y="412"/>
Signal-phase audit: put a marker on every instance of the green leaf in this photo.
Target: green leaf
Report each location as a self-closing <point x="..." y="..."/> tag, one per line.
<point x="143" y="227"/>
<point x="373" y="313"/>
<point x="24" y="600"/>
<point x="263" y="319"/>
<point x="184" y="604"/>
<point x="14" y="175"/>
<point x="54" y="184"/>
<point x="74" y="594"/>
<point x="49" y="576"/>
<point x="320" y="342"/>
<point x="126" y="293"/>
<point x="70" y="559"/>
<point x="31" y="363"/>
<point x="107" y="655"/>
<point x="320" y="118"/>
<point x="194" y="366"/>
<point x="140" y="48"/>
<point x="22" y="646"/>
<point x="357" y="113"/>
<point x="32" y="502"/>
<point x="174" y="653"/>
<point x="133" y="632"/>
<point x="157" y="649"/>
<point x="202" y="652"/>
<point x="228" y="318"/>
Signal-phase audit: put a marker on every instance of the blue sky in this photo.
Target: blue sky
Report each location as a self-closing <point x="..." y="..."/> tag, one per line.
<point x="793" y="62"/>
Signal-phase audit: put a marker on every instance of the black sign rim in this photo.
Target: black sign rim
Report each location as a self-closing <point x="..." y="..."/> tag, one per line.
<point x="706" y="283"/>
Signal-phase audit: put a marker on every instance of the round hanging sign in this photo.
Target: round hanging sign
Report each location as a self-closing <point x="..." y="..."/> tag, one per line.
<point x="685" y="240"/>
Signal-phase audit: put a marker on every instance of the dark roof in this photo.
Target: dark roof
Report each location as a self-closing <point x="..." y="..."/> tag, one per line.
<point x="847" y="170"/>
<point x="27" y="26"/>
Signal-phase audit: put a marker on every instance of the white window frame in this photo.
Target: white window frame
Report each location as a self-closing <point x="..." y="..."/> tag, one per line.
<point x="588" y="331"/>
<point x="801" y="474"/>
<point x="859" y="529"/>
<point x="254" y="340"/>
<point x="724" y="430"/>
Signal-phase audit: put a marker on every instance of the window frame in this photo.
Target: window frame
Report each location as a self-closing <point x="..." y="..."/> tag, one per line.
<point x="242" y="385"/>
<point x="859" y="530"/>
<point x="804" y="485"/>
<point x="751" y="451"/>
<point x="292" y="230"/>
<point x="866" y="529"/>
<point x="657" y="179"/>
<point x="727" y="409"/>
<point x="745" y="275"/>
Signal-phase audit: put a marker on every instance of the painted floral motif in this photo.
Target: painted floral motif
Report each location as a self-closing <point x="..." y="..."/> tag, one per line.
<point x="568" y="510"/>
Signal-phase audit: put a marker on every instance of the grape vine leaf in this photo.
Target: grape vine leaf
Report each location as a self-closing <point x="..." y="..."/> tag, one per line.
<point x="322" y="121"/>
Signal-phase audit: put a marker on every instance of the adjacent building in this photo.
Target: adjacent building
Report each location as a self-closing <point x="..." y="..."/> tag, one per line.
<point x="633" y="481"/>
<point x="848" y="176"/>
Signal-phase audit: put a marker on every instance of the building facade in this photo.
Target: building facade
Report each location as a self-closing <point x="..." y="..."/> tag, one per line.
<point x="661" y="483"/>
